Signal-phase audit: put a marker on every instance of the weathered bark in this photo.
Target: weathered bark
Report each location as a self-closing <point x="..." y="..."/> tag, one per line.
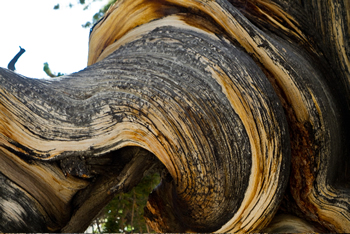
<point x="242" y="106"/>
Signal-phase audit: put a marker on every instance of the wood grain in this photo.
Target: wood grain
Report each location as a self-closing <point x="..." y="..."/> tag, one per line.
<point x="242" y="106"/>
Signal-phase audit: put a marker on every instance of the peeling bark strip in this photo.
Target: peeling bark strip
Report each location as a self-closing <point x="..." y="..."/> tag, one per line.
<point x="231" y="101"/>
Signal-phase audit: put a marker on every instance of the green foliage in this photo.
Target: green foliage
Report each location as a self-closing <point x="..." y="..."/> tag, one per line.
<point x="99" y="14"/>
<point x="125" y="211"/>
<point x="87" y="4"/>
<point x="48" y="72"/>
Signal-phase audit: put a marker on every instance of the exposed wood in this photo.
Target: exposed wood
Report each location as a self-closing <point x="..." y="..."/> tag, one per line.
<point x="241" y="105"/>
<point x="88" y="203"/>
<point x="286" y="223"/>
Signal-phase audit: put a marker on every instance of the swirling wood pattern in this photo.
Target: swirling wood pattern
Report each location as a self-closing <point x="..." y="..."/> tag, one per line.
<point x="239" y="104"/>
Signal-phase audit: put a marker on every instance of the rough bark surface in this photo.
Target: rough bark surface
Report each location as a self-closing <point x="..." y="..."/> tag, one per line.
<point x="242" y="106"/>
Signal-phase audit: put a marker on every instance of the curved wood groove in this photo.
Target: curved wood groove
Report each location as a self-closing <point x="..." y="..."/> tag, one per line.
<point x="223" y="97"/>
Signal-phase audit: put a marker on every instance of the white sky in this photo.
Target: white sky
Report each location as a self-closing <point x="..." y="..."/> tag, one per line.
<point x="47" y="35"/>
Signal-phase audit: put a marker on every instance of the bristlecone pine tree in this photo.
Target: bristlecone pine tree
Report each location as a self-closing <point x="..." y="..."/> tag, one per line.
<point x="242" y="106"/>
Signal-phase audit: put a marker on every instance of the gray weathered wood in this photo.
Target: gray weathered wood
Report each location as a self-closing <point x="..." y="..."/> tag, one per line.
<point x="242" y="106"/>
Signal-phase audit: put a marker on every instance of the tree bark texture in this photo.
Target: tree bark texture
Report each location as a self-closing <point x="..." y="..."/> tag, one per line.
<point x="242" y="106"/>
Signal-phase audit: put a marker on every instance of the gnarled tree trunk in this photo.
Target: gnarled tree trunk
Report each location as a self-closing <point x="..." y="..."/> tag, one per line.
<point x="242" y="106"/>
